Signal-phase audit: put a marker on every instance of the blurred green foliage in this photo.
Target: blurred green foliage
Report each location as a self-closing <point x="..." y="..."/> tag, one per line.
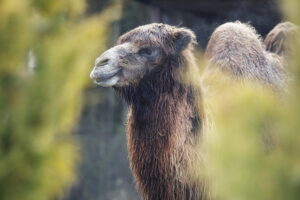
<point x="254" y="143"/>
<point x="38" y="108"/>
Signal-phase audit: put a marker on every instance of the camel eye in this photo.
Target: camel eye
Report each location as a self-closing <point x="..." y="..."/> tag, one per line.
<point x="146" y="51"/>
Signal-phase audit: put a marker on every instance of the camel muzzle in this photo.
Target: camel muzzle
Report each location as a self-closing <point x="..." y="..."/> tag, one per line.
<point x="106" y="70"/>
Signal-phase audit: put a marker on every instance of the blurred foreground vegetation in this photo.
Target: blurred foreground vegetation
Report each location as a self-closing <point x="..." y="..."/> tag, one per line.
<point x="254" y="146"/>
<point x="46" y="51"/>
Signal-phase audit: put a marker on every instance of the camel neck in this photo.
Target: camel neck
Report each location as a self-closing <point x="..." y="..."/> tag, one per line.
<point x="162" y="105"/>
<point x="161" y="125"/>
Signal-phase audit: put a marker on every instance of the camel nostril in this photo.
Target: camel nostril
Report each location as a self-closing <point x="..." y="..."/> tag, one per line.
<point x="103" y="62"/>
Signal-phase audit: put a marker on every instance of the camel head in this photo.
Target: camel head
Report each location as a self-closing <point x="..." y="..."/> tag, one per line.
<point x="138" y="52"/>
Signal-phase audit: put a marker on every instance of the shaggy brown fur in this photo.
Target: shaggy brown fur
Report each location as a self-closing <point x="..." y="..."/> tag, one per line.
<point x="237" y="48"/>
<point x="162" y="122"/>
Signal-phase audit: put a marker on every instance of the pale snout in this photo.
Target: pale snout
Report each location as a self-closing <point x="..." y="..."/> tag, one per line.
<point x="106" y="71"/>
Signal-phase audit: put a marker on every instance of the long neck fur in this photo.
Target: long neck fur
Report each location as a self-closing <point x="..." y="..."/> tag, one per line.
<point x="161" y="130"/>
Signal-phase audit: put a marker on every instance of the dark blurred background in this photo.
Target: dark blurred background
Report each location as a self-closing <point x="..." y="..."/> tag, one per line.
<point x="103" y="173"/>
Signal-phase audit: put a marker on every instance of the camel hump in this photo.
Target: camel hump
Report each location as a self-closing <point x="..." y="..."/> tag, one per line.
<point x="278" y="39"/>
<point x="236" y="47"/>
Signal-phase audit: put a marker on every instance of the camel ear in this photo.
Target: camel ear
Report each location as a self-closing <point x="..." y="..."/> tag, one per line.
<point x="182" y="39"/>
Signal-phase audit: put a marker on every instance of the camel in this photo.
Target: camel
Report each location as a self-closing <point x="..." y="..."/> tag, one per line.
<point x="166" y="116"/>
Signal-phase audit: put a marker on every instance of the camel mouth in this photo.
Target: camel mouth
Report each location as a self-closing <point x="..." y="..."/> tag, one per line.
<point x="106" y="79"/>
<point x="108" y="82"/>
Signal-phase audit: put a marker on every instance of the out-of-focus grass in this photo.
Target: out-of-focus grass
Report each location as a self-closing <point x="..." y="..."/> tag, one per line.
<point x="38" y="109"/>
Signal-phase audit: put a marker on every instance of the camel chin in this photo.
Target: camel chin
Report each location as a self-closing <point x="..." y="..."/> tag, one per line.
<point x="105" y="76"/>
<point x="108" y="82"/>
